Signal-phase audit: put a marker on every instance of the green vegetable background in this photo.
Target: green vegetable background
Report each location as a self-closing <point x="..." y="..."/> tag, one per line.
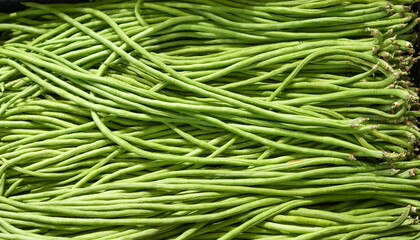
<point x="209" y="119"/>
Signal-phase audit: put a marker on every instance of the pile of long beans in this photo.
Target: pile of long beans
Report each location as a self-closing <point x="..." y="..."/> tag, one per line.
<point x="201" y="119"/>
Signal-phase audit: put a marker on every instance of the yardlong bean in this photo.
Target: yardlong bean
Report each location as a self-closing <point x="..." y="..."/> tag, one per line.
<point x="207" y="119"/>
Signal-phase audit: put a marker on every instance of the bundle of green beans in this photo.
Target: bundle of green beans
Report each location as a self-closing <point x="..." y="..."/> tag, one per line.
<point x="201" y="119"/>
